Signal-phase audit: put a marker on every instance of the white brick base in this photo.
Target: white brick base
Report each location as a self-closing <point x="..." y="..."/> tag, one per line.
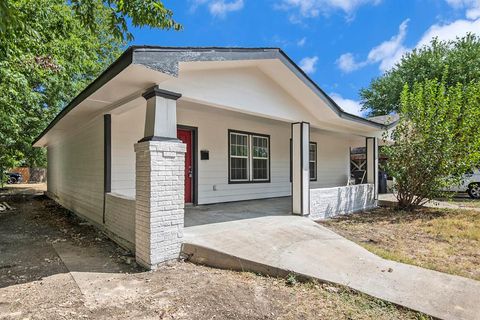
<point x="159" y="209"/>
<point x="330" y="202"/>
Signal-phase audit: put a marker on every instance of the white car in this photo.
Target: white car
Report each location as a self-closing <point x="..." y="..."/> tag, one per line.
<point x="470" y="184"/>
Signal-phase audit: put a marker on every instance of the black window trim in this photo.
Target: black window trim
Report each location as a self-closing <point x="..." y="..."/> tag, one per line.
<point x="316" y="160"/>
<point x="250" y="179"/>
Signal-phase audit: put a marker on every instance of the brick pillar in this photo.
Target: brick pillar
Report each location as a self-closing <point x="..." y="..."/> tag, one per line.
<point x="159" y="201"/>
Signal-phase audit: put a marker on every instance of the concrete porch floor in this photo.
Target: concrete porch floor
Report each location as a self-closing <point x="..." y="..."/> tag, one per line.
<point x="233" y="211"/>
<point x="253" y="236"/>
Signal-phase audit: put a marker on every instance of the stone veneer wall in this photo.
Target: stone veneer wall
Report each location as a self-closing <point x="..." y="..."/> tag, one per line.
<point x="330" y="202"/>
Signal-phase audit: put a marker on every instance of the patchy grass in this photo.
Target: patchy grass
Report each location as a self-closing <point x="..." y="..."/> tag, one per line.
<point x="446" y="240"/>
<point x="354" y="305"/>
<point x="35" y="283"/>
<point x="462" y="200"/>
<point x="207" y="294"/>
<point x="466" y="202"/>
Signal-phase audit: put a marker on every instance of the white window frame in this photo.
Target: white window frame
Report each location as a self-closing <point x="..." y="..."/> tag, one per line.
<point x="261" y="158"/>
<point x="249" y="156"/>
<point x="239" y="157"/>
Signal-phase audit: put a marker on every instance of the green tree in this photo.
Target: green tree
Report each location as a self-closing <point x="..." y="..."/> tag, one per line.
<point x="49" y="51"/>
<point x="44" y="62"/>
<point x="461" y="57"/>
<point x="436" y="140"/>
<point x="113" y="13"/>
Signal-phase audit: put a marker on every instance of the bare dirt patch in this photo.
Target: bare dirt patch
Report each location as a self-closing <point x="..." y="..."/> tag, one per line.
<point x="35" y="282"/>
<point x="187" y="291"/>
<point x="446" y="240"/>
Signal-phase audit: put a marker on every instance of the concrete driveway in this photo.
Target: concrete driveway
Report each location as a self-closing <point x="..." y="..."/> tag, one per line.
<point x="280" y="244"/>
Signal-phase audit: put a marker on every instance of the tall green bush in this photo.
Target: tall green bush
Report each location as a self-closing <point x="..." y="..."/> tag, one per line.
<point x="436" y="141"/>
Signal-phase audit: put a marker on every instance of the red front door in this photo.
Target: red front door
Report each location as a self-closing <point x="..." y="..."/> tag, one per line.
<point x="186" y="137"/>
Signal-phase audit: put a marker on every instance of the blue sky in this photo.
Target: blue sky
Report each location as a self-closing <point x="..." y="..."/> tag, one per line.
<point x="341" y="44"/>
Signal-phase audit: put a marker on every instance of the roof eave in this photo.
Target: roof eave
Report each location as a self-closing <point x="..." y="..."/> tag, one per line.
<point x="115" y="68"/>
<point x="332" y="104"/>
<point x="127" y="58"/>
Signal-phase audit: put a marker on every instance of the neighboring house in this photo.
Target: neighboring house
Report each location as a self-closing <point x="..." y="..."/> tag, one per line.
<point x="358" y="155"/>
<point x="389" y="119"/>
<point x="162" y="127"/>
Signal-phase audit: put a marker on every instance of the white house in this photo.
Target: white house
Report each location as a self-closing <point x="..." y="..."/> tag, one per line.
<point x="164" y="127"/>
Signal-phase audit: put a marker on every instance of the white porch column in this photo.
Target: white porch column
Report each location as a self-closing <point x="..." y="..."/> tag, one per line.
<point x="372" y="163"/>
<point x="159" y="199"/>
<point x="161" y="115"/>
<point x="300" y="168"/>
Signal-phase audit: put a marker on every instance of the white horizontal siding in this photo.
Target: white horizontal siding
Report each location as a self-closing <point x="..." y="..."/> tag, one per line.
<point x="75" y="171"/>
<point x="333" y="159"/>
<point x="213" y="125"/>
<point x="127" y="129"/>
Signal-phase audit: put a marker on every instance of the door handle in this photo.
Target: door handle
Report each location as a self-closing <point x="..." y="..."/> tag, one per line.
<point x="190" y="172"/>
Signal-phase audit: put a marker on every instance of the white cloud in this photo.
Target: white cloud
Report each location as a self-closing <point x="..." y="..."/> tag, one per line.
<point x="313" y="8"/>
<point x="219" y="8"/>
<point x="348" y="105"/>
<point x="301" y="42"/>
<point x="450" y="31"/>
<point x="386" y="54"/>
<point x="458" y="28"/>
<point x="309" y="64"/>
<point x="347" y="63"/>
<point x="389" y="52"/>
<point x="472" y="7"/>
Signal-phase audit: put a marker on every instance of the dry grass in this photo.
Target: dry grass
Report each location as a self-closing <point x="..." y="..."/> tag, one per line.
<point x="35" y="284"/>
<point x="446" y="240"/>
<point x="466" y="202"/>
<point x="462" y="200"/>
<point x="207" y="294"/>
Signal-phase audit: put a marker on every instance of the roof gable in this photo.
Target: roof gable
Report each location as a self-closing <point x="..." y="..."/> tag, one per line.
<point x="167" y="60"/>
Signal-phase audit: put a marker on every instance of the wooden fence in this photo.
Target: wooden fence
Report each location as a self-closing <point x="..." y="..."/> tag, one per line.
<point x="31" y="175"/>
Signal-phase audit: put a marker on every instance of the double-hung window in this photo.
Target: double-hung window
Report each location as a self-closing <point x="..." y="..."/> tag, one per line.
<point x="249" y="157"/>
<point x="312" y="160"/>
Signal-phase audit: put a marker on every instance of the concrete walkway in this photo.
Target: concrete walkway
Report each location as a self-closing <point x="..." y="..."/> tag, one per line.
<point x="277" y="245"/>
<point x="389" y="200"/>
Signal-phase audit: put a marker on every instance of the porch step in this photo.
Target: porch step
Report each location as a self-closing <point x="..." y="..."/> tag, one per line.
<point x="210" y="257"/>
